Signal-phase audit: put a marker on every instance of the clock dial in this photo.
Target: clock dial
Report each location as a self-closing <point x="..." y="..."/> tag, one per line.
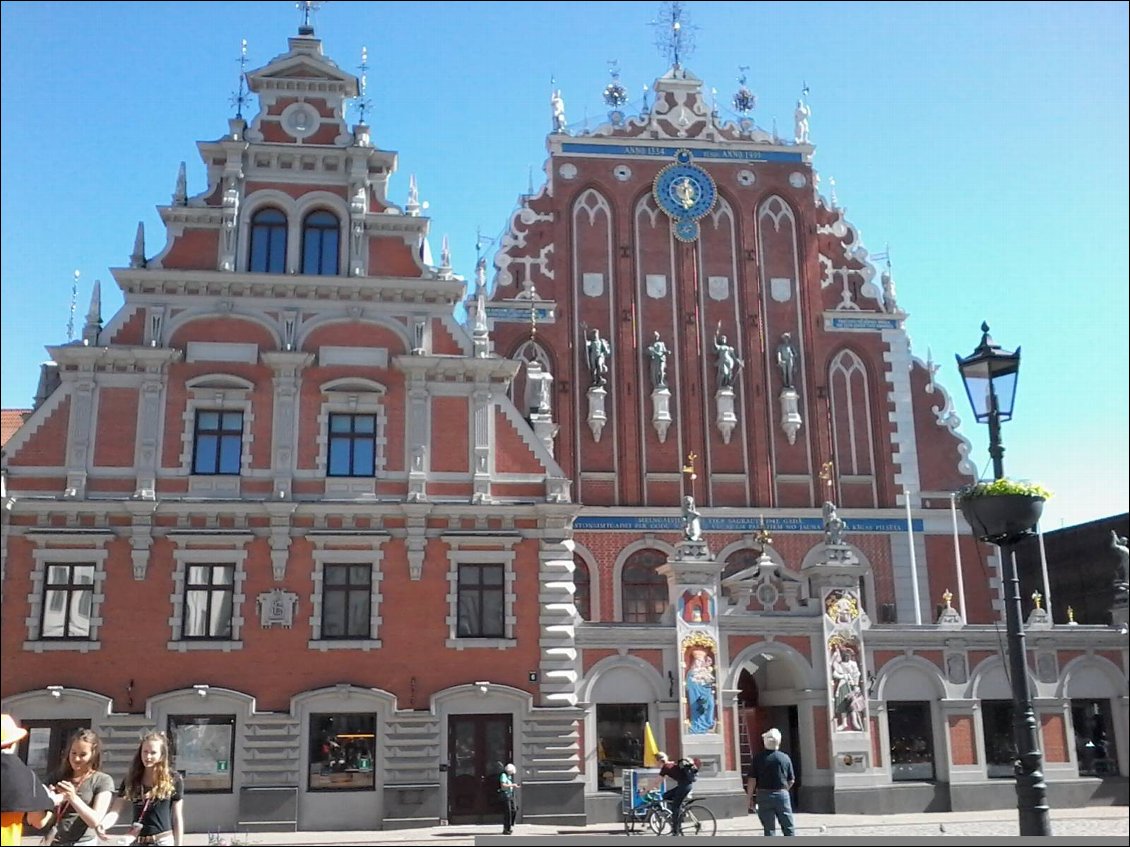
<point x="685" y="192"/>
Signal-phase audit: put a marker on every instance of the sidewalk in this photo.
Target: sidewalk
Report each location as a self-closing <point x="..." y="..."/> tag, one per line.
<point x="1076" y="822"/>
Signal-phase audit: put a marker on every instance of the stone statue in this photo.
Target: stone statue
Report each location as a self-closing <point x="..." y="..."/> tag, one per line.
<point x="657" y="353"/>
<point x="786" y="360"/>
<point x="598" y="350"/>
<point x="1118" y="544"/>
<point x="728" y="362"/>
<point x="558" y="106"/>
<point x="692" y="520"/>
<point x="802" y="113"/>
<point x="833" y="526"/>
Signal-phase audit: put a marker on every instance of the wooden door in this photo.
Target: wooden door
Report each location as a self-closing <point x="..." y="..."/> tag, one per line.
<point x="478" y="746"/>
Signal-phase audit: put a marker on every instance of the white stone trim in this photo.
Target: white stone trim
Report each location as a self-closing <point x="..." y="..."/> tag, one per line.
<point x="210" y="556"/>
<point x="44" y="556"/>
<point x="366" y="552"/>
<point x="491" y="550"/>
<point x="224" y="393"/>
<point x="352" y="396"/>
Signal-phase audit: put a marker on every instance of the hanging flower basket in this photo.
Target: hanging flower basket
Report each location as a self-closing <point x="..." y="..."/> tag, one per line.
<point x="1002" y="511"/>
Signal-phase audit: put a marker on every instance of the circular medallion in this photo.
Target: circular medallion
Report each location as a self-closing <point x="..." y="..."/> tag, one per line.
<point x="622" y="173"/>
<point x="797" y="179"/>
<point x="746" y="178"/>
<point x="568" y="170"/>
<point x="685" y="192"/>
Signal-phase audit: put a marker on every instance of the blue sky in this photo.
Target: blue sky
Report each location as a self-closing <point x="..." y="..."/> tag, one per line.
<point x="985" y="143"/>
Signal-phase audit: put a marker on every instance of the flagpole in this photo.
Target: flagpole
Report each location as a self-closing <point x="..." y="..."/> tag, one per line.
<point x="913" y="561"/>
<point x="1044" y="571"/>
<point x="957" y="560"/>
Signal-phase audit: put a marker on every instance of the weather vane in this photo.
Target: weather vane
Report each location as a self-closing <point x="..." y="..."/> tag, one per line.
<point x="827" y="471"/>
<point x="673" y="35"/>
<point x="363" y="84"/>
<point x="239" y="98"/>
<point x="744" y="100"/>
<point x="74" y="303"/>
<point x="308" y="8"/>
<point x="763" y="537"/>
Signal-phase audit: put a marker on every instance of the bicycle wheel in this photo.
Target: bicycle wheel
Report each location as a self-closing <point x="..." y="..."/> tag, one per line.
<point x="659" y="820"/>
<point x="698" y="820"/>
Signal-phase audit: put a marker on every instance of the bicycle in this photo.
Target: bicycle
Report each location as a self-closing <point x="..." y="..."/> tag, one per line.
<point x="654" y="814"/>
<point x="694" y="818"/>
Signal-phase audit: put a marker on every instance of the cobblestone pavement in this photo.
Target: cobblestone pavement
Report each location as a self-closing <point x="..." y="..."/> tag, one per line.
<point x="1076" y="822"/>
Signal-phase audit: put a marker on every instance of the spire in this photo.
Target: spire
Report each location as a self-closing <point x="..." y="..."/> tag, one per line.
<point x="137" y="257"/>
<point x="413" y="205"/>
<point x="74" y="304"/>
<point x="93" y="326"/>
<point x="615" y="95"/>
<point x="180" y="195"/>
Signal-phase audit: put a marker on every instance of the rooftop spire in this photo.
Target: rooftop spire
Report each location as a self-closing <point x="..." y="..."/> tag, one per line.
<point x="308" y="8"/>
<point x="412" y="207"/>
<point x="93" y="326"/>
<point x="137" y="257"/>
<point x="180" y="193"/>
<point x="362" y="104"/>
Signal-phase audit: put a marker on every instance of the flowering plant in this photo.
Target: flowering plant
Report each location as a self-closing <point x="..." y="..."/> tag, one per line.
<point x="1001" y="487"/>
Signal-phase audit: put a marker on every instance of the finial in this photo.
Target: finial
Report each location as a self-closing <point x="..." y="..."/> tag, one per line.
<point x="137" y="257"/>
<point x="673" y="35"/>
<point x="1036" y="598"/>
<point x="827" y="473"/>
<point x="947" y="597"/>
<point x="688" y="468"/>
<point x="615" y="95"/>
<point x="445" y="255"/>
<point x="832" y="192"/>
<point x="240" y="97"/>
<point x="530" y="182"/>
<point x="745" y="101"/>
<point x="1070" y="615"/>
<point x="180" y="193"/>
<point x="308" y="8"/>
<point x="362" y="104"/>
<point x="412" y="207"/>
<point x="93" y="324"/>
<point x="74" y="303"/>
<point x="763" y="537"/>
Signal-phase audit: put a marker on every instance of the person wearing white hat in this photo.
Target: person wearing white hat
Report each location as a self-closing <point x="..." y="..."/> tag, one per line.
<point x="771" y="775"/>
<point x="22" y="794"/>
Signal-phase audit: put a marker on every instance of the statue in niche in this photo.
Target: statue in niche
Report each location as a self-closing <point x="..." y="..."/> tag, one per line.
<point x="657" y="354"/>
<point x="786" y="360"/>
<point x="728" y="361"/>
<point x="598" y="350"/>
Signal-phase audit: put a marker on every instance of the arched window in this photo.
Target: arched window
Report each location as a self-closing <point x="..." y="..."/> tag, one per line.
<point x="644" y="588"/>
<point x="581" y="595"/>
<point x="268" y="242"/>
<point x="320" y="237"/>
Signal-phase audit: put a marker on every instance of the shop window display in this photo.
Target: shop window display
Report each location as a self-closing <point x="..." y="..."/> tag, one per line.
<point x="912" y="742"/>
<point x="342" y="749"/>
<point x="619" y="731"/>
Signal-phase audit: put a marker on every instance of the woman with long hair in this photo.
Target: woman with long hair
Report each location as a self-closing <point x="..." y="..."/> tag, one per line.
<point x="86" y="791"/>
<point x="155" y="792"/>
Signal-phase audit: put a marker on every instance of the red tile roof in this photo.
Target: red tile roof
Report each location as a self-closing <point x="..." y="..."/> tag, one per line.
<point x="10" y="421"/>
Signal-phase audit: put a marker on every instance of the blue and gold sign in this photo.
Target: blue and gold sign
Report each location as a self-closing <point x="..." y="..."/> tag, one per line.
<point x="686" y="193"/>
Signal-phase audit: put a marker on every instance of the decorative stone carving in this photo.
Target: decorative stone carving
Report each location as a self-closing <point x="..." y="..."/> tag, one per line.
<point x="661" y="412"/>
<point x="726" y="418"/>
<point x="791" y="421"/>
<point x="597" y="416"/>
<point x="277" y="608"/>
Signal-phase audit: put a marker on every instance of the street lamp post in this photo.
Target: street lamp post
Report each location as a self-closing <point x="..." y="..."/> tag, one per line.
<point x="989" y="374"/>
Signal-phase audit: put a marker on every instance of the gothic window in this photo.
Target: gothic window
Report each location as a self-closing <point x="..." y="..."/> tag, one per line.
<point x="851" y="415"/>
<point x="346" y="599"/>
<point x="67" y="601"/>
<point x="321" y="234"/>
<point x="268" y="242"/>
<point x="481" y="604"/>
<point x="208" y="594"/>
<point x="352" y="445"/>
<point x="218" y="443"/>
<point x="581" y="588"/>
<point x="644" y="589"/>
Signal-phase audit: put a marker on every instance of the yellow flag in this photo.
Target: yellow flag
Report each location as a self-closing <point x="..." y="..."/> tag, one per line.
<point x="650" y="748"/>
